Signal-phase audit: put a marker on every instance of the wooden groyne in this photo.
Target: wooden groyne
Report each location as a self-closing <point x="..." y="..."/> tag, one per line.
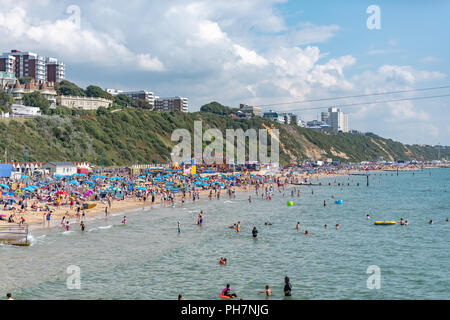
<point x="14" y="235"/>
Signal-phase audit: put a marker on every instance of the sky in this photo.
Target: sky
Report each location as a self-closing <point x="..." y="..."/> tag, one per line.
<point x="258" y="52"/>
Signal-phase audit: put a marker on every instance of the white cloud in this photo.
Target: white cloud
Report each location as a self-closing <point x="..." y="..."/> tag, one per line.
<point x="430" y="59"/>
<point x="249" y="56"/>
<point x="234" y="51"/>
<point x="76" y="44"/>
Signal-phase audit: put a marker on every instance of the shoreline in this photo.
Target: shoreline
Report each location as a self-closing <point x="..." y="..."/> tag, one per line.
<point x="35" y="221"/>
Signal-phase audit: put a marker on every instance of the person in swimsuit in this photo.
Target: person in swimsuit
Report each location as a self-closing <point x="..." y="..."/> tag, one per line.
<point x="297" y="226"/>
<point x="124" y="221"/>
<point x="254" y="232"/>
<point x="179" y="227"/>
<point x="287" y="287"/>
<point x="82" y="225"/>
<point x="48" y="219"/>
<point x="227" y="292"/>
<point x="238" y="226"/>
<point x="267" y="291"/>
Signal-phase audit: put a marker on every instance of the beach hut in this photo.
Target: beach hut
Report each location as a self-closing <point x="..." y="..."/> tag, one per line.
<point x="6" y="170"/>
<point x="60" y="168"/>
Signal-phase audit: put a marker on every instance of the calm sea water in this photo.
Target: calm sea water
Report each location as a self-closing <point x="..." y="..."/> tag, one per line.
<point x="147" y="259"/>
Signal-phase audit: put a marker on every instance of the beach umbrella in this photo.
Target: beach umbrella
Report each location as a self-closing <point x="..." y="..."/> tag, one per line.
<point x="4" y="186"/>
<point x="24" y="177"/>
<point x="87" y="193"/>
<point x="62" y="193"/>
<point x="142" y="188"/>
<point x="87" y="181"/>
<point x="95" y="176"/>
<point x="82" y="174"/>
<point x="73" y="182"/>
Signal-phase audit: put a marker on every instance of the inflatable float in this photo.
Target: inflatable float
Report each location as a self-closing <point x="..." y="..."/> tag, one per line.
<point x="224" y="297"/>
<point x="339" y="202"/>
<point x="385" y="223"/>
<point x="290" y="203"/>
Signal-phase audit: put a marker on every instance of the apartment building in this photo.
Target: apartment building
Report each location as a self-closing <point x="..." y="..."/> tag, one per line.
<point x="172" y="103"/>
<point x="337" y="119"/>
<point x="29" y="64"/>
<point x="247" y="108"/>
<point x="135" y="95"/>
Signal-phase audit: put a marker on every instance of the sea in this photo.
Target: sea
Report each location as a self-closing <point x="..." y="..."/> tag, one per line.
<point x="148" y="259"/>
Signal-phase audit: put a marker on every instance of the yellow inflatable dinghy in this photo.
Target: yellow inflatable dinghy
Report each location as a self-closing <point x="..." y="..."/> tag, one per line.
<point x="385" y="223"/>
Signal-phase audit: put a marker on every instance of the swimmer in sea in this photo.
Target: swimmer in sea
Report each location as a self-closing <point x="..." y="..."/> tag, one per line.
<point x="297" y="226"/>
<point x="306" y="233"/>
<point x="402" y="222"/>
<point x="324" y="203"/>
<point x="249" y="199"/>
<point x="325" y="226"/>
<point x="446" y="220"/>
<point x="179" y="227"/>
<point x="238" y="226"/>
<point x="268" y="223"/>
<point x="124" y="221"/>
<point x="82" y="226"/>
<point x="406" y="223"/>
<point x="223" y="261"/>
<point x="431" y="222"/>
<point x="287" y="287"/>
<point x="337" y="226"/>
<point x="233" y="226"/>
<point x="67" y="226"/>
<point x="267" y="291"/>
<point x="367" y="216"/>
<point x="180" y="297"/>
<point x="227" y="292"/>
<point x="254" y="232"/>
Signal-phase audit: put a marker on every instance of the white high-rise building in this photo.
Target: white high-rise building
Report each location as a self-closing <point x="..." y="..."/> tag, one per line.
<point x="337" y="119"/>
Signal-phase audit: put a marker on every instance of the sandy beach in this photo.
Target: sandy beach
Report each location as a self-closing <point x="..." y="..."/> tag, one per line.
<point x="37" y="219"/>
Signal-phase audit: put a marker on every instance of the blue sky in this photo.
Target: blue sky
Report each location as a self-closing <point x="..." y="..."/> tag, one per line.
<point x="253" y="51"/>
